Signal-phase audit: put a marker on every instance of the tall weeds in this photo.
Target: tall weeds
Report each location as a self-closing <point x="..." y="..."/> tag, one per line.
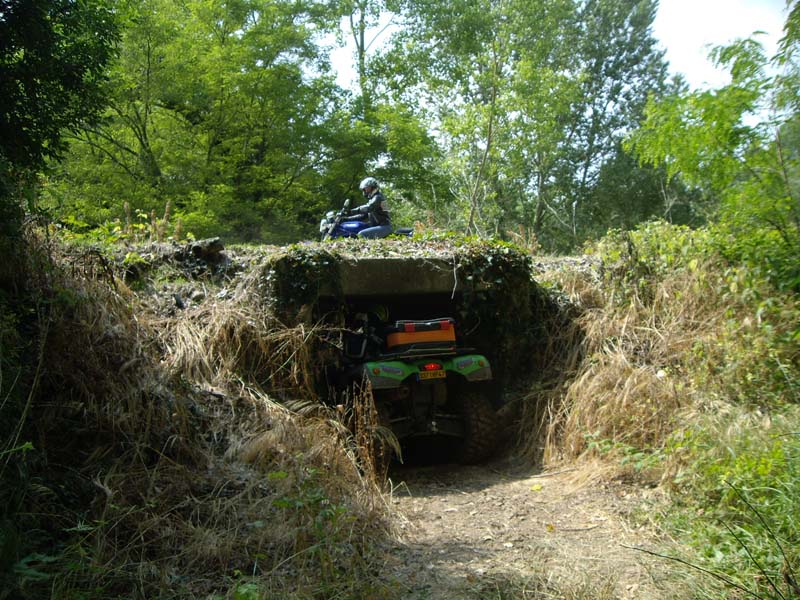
<point x="688" y="375"/>
<point x="144" y="471"/>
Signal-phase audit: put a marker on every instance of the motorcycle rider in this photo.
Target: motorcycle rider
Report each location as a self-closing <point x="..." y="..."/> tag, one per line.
<point x="376" y="210"/>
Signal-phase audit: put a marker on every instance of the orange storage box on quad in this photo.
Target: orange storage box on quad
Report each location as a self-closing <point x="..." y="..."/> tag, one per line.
<point x="430" y="333"/>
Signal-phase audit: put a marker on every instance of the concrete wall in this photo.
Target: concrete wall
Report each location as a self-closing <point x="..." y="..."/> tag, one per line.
<point x="381" y="276"/>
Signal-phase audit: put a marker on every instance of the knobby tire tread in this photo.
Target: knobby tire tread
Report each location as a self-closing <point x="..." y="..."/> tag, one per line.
<point x="480" y="421"/>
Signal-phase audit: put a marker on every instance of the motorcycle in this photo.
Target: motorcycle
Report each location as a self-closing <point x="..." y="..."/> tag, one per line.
<point x="342" y="224"/>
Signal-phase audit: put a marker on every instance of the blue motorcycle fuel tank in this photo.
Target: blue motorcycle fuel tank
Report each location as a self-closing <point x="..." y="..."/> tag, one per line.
<point x="349" y="228"/>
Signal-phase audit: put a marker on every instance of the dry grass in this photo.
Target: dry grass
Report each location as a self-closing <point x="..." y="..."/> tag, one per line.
<point x="374" y="443"/>
<point x="224" y="342"/>
<point x="181" y="473"/>
<point x="100" y="367"/>
<point x="624" y="362"/>
<point x="187" y="477"/>
<point x="539" y="585"/>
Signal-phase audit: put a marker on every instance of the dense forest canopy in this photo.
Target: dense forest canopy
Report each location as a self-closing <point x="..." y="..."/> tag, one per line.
<point x="52" y="57"/>
<point x="482" y="117"/>
<point x="549" y="121"/>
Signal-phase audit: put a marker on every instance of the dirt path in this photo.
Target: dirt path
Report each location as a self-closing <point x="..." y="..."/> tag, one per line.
<point x="500" y="531"/>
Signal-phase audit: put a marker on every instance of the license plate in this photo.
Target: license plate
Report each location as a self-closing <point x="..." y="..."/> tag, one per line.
<point x="432" y="374"/>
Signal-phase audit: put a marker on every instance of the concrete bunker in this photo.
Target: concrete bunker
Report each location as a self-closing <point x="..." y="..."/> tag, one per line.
<point x="351" y="291"/>
<point x="485" y="287"/>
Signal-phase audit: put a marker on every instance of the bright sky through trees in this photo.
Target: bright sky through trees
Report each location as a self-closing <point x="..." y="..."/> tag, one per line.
<point x="688" y="28"/>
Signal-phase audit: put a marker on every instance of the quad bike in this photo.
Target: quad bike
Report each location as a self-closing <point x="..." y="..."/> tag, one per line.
<point x="342" y="224"/>
<point x="425" y="385"/>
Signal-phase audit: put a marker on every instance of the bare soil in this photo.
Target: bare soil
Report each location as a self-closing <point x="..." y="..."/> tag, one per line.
<point x="503" y="530"/>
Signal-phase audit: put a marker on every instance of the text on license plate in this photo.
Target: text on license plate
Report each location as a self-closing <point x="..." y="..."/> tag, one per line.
<point x="440" y="374"/>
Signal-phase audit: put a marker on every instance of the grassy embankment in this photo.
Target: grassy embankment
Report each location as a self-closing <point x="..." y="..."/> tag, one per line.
<point x="142" y="456"/>
<point x="689" y="378"/>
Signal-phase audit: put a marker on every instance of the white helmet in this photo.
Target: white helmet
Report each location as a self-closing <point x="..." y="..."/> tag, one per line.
<point x="368" y="182"/>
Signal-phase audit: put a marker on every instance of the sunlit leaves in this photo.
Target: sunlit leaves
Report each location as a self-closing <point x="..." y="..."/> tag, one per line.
<point x="211" y="95"/>
<point x="52" y="58"/>
<point x="737" y="144"/>
<point x="528" y="99"/>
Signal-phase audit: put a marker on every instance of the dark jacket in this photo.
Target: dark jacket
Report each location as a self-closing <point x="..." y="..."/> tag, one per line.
<point x="377" y="209"/>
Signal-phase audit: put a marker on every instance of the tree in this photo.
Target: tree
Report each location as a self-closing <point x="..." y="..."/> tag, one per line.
<point x="463" y="60"/>
<point x="626" y="194"/>
<point x="622" y="66"/>
<point x="218" y="108"/>
<point x="530" y="99"/>
<point x="737" y="145"/>
<point x="52" y="61"/>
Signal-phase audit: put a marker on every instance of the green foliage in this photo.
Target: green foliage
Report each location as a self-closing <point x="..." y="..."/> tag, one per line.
<point x="751" y="354"/>
<point x="530" y="100"/>
<point x="16" y="184"/>
<point x="223" y="111"/>
<point x="27" y="446"/>
<point x="741" y="477"/>
<point x="323" y="540"/>
<point x="309" y="502"/>
<point x="53" y="55"/>
<point x="733" y="465"/>
<point x="247" y="591"/>
<point x="736" y="145"/>
<point x="661" y="247"/>
<point x="227" y="112"/>
<point x="17" y="321"/>
<point x="294" y="279"/>
<point x="52" y="58"/>
<point x="636" y="262"/>
<point x="628" y="194"/>
<point x="498" y="296"/>
<point x="628" y="456"/>
<point x="137" y="228"/>
<point x="701" y="135"/>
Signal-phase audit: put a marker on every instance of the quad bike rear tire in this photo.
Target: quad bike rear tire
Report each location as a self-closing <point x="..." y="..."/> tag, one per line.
<point x="480" y="428"/>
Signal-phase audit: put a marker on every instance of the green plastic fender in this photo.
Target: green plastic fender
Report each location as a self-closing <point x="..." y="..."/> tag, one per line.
<point x="391" y="373"/>
<point x="474" y="367"/>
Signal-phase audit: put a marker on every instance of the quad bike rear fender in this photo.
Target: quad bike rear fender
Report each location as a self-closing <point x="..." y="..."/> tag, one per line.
<point x="391" y="374"/>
